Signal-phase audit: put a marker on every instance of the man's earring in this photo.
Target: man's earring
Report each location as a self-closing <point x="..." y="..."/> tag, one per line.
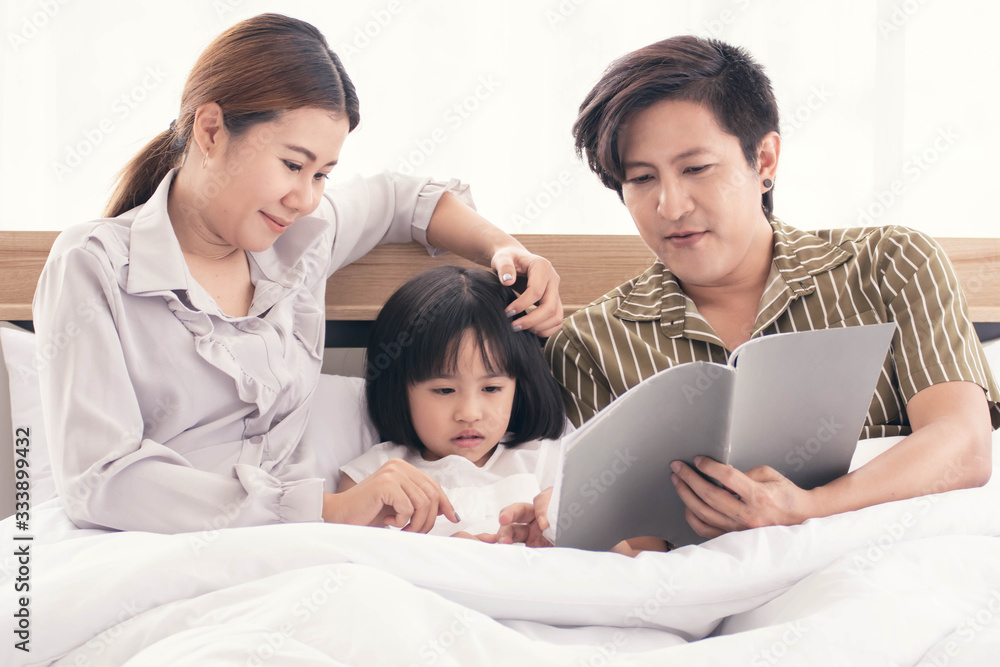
<point x="204" y="163"/>
<point x="768" y="183"/>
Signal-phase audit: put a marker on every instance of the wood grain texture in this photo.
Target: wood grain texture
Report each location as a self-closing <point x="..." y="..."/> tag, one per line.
<point x="589" y="266"/>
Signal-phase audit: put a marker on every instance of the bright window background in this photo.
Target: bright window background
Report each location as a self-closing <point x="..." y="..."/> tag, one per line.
<point x="889" y="107"/>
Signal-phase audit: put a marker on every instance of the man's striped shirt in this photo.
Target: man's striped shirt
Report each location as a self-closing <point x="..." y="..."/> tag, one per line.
<point x="818" y="280"/>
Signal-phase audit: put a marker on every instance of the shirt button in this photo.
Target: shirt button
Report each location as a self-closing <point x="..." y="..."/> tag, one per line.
<point x="253" y="324"/>
<point x="257" y="439"/>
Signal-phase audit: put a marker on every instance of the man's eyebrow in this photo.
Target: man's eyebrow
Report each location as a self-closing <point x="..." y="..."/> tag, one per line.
<point x="698" y="150"/>
<point x="691" y="153"/>
<point x="308" y="153"/>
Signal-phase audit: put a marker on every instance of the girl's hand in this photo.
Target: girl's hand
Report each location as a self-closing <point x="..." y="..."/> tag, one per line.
<point x="542" y="289"/>
<point x="397" y="494"/>
<point x="524" y="522"/>
<point x="759" y="497"/>
<point x="482" y="537"/>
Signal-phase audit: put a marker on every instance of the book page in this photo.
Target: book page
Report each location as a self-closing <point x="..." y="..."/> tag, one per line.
<point x="801" y="400"/>
<point x="616" y="473"/>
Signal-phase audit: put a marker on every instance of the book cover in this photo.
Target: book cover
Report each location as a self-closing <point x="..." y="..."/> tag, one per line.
<point x="795" y="401"/>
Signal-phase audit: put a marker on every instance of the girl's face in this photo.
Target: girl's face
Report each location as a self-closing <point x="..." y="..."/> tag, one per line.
<point x="463" y="414"/>
<point x="261" y="183"/>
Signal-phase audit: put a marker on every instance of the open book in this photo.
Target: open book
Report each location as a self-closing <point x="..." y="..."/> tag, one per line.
<point x="795" y="402"/>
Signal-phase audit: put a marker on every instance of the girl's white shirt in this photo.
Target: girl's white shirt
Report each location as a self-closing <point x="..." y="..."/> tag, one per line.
<point x="510" y="475"/>
<point x="163" y="413"/>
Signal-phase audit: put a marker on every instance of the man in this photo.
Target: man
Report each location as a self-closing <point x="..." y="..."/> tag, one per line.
<point x="686" y="132"/>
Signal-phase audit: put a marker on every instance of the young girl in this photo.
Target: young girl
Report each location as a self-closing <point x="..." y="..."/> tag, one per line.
<point x="458" y="393"/>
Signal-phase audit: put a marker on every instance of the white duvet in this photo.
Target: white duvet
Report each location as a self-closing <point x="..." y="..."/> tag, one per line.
<point x="911" y="582"/>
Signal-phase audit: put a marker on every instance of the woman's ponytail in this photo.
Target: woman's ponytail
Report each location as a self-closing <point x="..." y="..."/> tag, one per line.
<point x="138" y="180"/>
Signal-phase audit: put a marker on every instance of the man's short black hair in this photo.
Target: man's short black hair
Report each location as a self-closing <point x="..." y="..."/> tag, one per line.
<point x="723" y="78"/>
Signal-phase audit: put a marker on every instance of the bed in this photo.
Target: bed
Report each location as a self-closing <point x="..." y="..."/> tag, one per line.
<point x="910" y="582"/>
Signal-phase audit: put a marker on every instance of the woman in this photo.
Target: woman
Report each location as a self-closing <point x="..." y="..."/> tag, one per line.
<point x="188" y="330"/>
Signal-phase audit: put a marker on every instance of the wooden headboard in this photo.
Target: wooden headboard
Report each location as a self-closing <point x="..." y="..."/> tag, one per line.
<point x="589" y="266"/>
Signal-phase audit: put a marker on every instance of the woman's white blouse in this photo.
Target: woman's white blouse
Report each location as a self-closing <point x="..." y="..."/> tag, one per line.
<point x="163" y="413"/>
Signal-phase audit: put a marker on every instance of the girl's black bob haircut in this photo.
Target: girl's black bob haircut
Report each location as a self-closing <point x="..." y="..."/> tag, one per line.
<point x="417" y="335"/>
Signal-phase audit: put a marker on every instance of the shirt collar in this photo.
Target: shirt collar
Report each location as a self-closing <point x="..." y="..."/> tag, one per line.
<point x="156" y="262"/>
<point x="798" y="257"/>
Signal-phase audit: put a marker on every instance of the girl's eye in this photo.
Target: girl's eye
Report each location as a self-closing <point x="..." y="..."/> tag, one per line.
<point x="320" y="176"/>
<point x="296" y="168"/>
<point x="640" y="179"/>
<point x="492" y="390"/>
<point x="443" y="390"/>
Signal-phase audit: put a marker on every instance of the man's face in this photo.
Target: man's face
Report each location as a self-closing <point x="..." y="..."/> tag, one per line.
<point x="694" y="198"/>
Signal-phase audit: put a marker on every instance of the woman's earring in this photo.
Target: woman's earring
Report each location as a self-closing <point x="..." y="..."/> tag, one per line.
<point x="204" y="163"/>
<point x="768" y="183"/>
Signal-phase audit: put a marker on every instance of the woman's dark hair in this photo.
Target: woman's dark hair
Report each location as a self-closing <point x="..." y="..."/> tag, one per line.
<point x="723" y="78"/>
<point x="417" y="336"/>
<point x="255" y="71"/>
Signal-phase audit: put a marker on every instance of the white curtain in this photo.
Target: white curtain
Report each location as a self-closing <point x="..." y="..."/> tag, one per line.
<point x="889" y="106"/>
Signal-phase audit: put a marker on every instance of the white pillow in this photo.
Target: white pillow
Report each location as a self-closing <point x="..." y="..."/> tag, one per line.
<point x="992" y="349"/>
<point x="26" y="408"/>
<point x="338" y="426"/>
<point x="338" y="429"/>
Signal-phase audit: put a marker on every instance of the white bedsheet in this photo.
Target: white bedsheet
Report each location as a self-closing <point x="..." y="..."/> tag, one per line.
<point x="894" y="584"/>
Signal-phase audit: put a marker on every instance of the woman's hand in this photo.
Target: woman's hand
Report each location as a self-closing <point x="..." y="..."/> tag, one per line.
<point x="759" y="497"/>
<point x="542" y="289"/>
<point x="456" y="227"/>
<point x="397" y="494"/>
<point x="525" y="522"/>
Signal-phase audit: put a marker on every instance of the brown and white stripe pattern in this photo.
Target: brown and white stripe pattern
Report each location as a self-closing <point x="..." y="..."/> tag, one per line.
<point x="824" y="279"/>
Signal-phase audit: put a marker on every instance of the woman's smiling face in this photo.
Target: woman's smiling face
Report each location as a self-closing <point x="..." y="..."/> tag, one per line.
<point x="257" y="185"/>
